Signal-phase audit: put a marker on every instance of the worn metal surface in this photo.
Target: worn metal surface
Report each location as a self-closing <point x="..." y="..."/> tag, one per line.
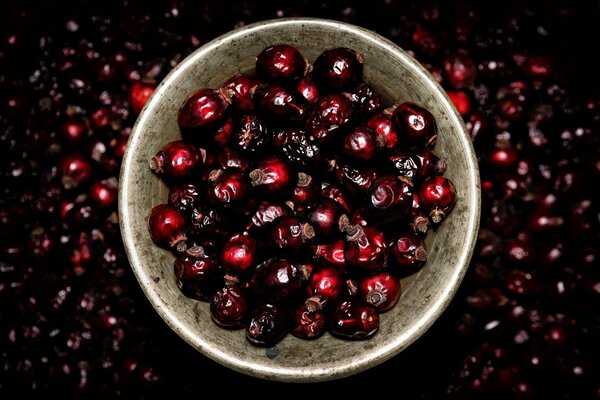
<point x="426" y="294"/>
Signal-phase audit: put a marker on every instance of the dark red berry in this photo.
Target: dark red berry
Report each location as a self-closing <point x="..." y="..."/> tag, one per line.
<point x="416" y="124"/>
<point x="227" y="187"/>
<point x="356" y="180"/>
<point x="204" y="108"/>
<point x="361" y="217"/>
<point x="339" y="196"/>
<point x="224" y="134"/>
<point x="305" y="192"/>
<point x="300" y="149"/>
<point x="198" y="275"/>
<point x="229" y="307"/>
<point x="308" y="89"/>
<point x="278" y="279"/>
<point x="331" y="253"/>
<point x="276" y="102"/>
<point x="408" y="253"/>
<point x="438" y="195"/>
<point x="381" y="290"/>
<point x="361" y="144"/>
<point x="503" y="157"/>
<point x="268" y="324"/>
<point x="324" y="286"/>
<point x="209" y="222"/>
<point x="267" y="212"/>
<point x="140" y="93"/>
<point x="290" y="234"/>
<point x="238" y="254"/>
<point x="459" y="69"/>
<point x="461" y="100"/>
<point x="167" y="227"/>
<point x="307" y="324"/>
<point x="241" y="90"/>
<point x="381" y="124"/>
<point x="366" y="101"/>
<point x="273" y="175"/>
<point x="352" y="319"/>
<point x="327" y="218"/>
<point x="104" y="192"/>
<point x="282" y="63"/>
<point x="390" y="192"/>
<point x="74" y="130"/>
<point x="338" y="69"/>
<point x="330" y="115"/>
<point x="365" y="248"/>
<point x="418" y="217"/>
<point x="251" y="134"/>
<point x="177" y="159"/>
<point x="231" y="159"/>
<point x="74" y="170"/>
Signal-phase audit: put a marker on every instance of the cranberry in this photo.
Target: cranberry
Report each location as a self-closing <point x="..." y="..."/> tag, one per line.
<point x="339" y="196"/>
<point x="209" y="222"/>
<point x="356" y="180"/>
<point x="204" y="108"/>
<point x="324" y="286"/>
<point x="365" y="248"/>
<point x="308" y="89"/>
<point x="361" y="144"/>
<point x="267" y="212"/>
<point x="328" y="116"/>
<point x="331" y="253"/>
<point x="365" y="99"/>
<point x="104" y="192"/>
<point x="308" y="324"/>
<point x="177" y="159"/>
<point x="461" y="100"/>
<point x="327" y="218"/>
<point x="168" y="227"/>
<point x="273" y="175"/>
<point x="227" y="187"/>
<point x="241" y="90"/>
<point x="75" y="169"/>
<point x="417" y="166"/>
<point x="229" y="307"/>
<point x="268" y="324"/>
<point x="251" y="134"/>
<point x="74" y="130"/>
<point x="291" y="234"/>
<point x="300" y="149"/>
<point x="305" y="192"/>
<point x="230" y="159"/>
<point x="278" y="103"/>
<point x="415" y="123"/>
<point x="439" y="195"/>
<point x="503" y="157"/>
<point x="459" y="69"/>
<point x="278" y="279"/>
<point x="198" y="275"/>
<point x="352" y="320"/>
<point x="389" y="192"/>
<point x="381" y="124"/>
<point x="418" y="217"/>
<point x="238" y="254"/>
<point x="224" y="134"/>
<point x="282" y="63"/>
<point x="408" y="253"/>
<point x="139" y="94"/>
<point x="338" y="69"/>
<point x="381" y="290"/>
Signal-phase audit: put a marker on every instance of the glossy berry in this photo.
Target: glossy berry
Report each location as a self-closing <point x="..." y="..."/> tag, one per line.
<point x="229" y="307"/>
<point x="361" y="144"/>
<point x="177" y="159"/>
<point x="364" y="98"/>
<point x="308" y="89"/>
<point x="381" y="124"/>
<point x="231" y="159"/>
<point x="338" y="69"/>
<point x="356" y="180"/>
<point x="238" y="254"/>
<point x="307" y="324"/>
<point x="352" y="319"/>
<point x="329" y="116"/>
<point x="339" y="196"/>
<point x="331" y="253"/>
<point x="204" y="108"/>
<point x="299" y="149"/>
<point x="282" y="63"/>
<point x="267" y="212"/>
<point x="417" y="166"/>
<point x="198" y="275"/>
<point x="327" y="218"/>
<point x="273" y="175"/>
<point x="418" y="216"/>
<point x="268" y="324"/>
<point x="251" y="135"/>
<point x="390" y="192"/>
<point x="324" y="286"/>
<point x="415" y="123"/>
<point x="290" y="234"/>
<point x="278" y="279"/>
<point x="438" y="194"/>
<point x="278" y="103"/>
<point x="366" y="248"/>
<point x="227" y="187"/>
<point x="104" y="192"/>
<point x="408" y="252"/>
<point x="167" y="227"/>
<point x="241" y="90"/>
<point x="381" y="290"/>
<point x="140" y="93"/>
<point x="74" y="170"/>
<point x="305" y="192"/>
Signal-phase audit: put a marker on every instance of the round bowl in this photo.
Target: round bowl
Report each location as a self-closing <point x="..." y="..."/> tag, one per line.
<point x="397" y="77"/>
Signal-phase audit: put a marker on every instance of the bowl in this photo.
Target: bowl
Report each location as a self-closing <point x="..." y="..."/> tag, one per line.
<point x="397" y="77"/>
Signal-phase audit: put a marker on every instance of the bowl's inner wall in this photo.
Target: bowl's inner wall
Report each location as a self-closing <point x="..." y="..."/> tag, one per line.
<point x="395" y="80"/>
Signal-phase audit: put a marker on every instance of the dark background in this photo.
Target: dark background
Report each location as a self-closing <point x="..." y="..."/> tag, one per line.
<point x="525" y="322"/>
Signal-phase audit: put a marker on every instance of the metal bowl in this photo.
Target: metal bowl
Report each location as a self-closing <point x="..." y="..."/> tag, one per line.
<point x="397" y="77"/>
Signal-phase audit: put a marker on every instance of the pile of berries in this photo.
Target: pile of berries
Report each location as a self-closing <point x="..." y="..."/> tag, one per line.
<point x="297" y="202"/>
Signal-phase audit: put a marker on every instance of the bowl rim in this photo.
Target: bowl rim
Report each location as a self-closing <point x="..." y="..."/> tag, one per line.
<point x="306" y="374"/>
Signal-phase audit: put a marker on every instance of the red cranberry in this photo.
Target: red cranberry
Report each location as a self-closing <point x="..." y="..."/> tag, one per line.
<point x="427" y="40"/>
<point x="198" y="275"/>
<point x="365" y="99"/>
<point x="365" y="248"/>
<point x="204" y="108"/>
<point x="273" y="175"/>
<point x="267" y="212"/>
<point x="251" y="134"/>
<point x="418" y="216"/>
<point x="389" y="192"/>
<point x="353" y="320"/>
<point x="338" y="69"/>
<point x="381" y="290"/>
<point x="229" y="307"/>
<point x="324" y="286"/>
<point x="300" y="149"/>
<point x="307" y="324"/>
<point x="224" y="134"/>
<point x="104" y="192"/>
<point x="305" y="192"/>
<point x="209" y="222"/>
<point x="282" y="63"/>
<point x="503" y="157"/>
<point x="415" y="123"/>
<point x="327" y="218"/>
<point x="356" y="180"/>
<point x="461" y="101"/>
<point x="361" y="144"/>
<point x="168" y="227"/>
<point x="241" y="90"/>
<point x="308" y="89"/>
<point x="139" y="94"/>
<point x="74" y="130"/>
<point x="278" y="279"/>
<point x="381" y="124"/>
<point x="459" y="69"/>
<point x="439" y="195"/>
<point x="331" y="253"/>
<point x="417" y="166"/>
<point x="75" y="169"/>
<point x="328" y="116"/>
<point x="339" y="196"/>
<point x="268" y="324"/>
<point x="185" y="197"/>
<point x="230" y="159"/>
<point x="238" y="254"/>
<point x="291" y="234"/>
<point x="278" y="103"/>
<point x="177" y="159"/>
<point x="408" y="252"/>
<point x="227" y="187"/>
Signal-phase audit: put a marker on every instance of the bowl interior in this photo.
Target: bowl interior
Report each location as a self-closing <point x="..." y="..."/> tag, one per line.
<point x="397" y="77"/>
